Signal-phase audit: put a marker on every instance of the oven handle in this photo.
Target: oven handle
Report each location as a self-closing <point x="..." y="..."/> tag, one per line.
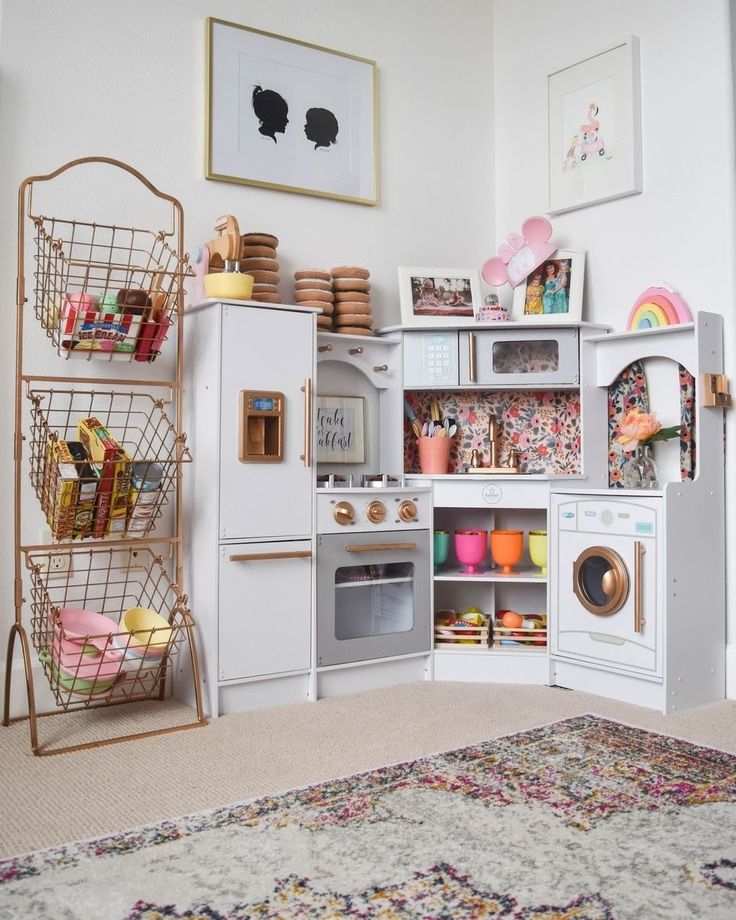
<point x="378" y="547"/>
<point x="257" y="557"/>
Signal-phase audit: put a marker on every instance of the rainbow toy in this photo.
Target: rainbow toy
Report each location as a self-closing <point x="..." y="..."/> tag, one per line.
<point x="656" y="307"/>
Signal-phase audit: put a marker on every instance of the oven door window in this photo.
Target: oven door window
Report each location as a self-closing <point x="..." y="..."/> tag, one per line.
<point x="374" y="600"/>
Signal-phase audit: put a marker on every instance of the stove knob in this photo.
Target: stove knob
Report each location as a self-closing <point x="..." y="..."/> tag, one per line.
<point x="376" y="512"/>
<point x="343" y="513"/>
<point x="408" y="512"/>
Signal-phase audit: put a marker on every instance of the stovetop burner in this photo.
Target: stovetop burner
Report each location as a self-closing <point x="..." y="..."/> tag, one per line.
<point x="333" y="481"/>
<point x="379" y="481"/>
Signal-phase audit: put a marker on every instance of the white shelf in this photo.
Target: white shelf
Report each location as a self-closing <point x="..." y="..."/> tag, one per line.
<point x="524" y="574"/>
<point x="493" y="652"/>
<point x="373" y="581"/>
<point x="643" y="333"/>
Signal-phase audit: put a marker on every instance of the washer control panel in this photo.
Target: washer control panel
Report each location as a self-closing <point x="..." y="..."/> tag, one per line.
<point x="623" y="518"/>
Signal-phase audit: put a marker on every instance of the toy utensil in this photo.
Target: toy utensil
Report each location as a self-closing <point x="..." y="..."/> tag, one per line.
<point x="425" y="430"/>
<point x="452" y="431"/>
<point x="411" y="415"/>
<point x="434" y="411"/>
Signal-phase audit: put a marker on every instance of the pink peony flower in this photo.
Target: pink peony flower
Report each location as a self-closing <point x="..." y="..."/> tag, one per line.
<point x="636" y="426"/>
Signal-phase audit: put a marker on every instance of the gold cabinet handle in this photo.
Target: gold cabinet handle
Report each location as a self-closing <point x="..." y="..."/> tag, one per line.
<point x="378" y="547"/>
<point x="307" y="390"/>
<point x="257" y="557"/>
<point x="358" y="350"/>
<point x="471" y="356"/>
<point x="639" y="553"/>
<point x="380" y="367"/>
<point x="324" y="348"/>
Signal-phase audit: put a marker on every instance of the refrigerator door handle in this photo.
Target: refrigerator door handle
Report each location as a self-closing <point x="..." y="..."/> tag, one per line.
<point x="307" y="390"/>
<point x="257" y="557"/>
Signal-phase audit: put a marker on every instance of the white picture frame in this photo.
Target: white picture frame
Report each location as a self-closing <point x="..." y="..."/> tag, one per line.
<point x="559" y="286"/>
<point x="594" y="129"/>
<point x="288" y="115"/>
<point x="438" y="297"/>
<point x="339" y="429"/>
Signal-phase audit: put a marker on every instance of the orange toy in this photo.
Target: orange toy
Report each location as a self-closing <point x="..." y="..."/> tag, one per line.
<point x="506" y="548"/>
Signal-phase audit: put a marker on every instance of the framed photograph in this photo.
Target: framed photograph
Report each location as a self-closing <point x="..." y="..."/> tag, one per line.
<point x="594" y="129"/>
<point x="340" y="429"/>
<point x="554" y="291"/>
<point x="439" y="296"/>
<point x="284" y="114"/>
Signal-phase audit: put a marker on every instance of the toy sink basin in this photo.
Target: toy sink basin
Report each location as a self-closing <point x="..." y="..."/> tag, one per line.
<point x="229" y="285"/>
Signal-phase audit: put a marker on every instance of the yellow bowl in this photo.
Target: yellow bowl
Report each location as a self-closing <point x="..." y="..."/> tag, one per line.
<point x="141" y="622"/>
<point x="229" y="285"/>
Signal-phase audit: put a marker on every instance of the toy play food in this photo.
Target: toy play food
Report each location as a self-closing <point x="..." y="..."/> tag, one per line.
<point x="510" y="619"/>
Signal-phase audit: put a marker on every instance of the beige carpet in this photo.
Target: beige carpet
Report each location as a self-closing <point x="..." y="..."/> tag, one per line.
<point x="50" y="800"/>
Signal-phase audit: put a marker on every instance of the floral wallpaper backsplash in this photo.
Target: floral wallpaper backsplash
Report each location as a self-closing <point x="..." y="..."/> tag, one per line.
<point x="629" y="391"/>
<point x="543" y="426"/>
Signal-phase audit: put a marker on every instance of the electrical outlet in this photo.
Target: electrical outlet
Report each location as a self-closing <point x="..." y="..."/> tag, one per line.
<point x="59" y="565"/>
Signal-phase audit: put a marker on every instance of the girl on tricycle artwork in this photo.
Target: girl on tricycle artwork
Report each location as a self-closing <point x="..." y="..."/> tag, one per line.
<point x="587" y="143"/>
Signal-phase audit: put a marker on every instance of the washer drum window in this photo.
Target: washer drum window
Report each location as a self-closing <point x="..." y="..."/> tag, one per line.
<point x="600" y="580"/>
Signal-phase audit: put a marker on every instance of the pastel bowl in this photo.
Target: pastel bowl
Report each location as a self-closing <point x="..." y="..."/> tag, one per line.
<point x="86" y="626"/>
<point x="149" y="631"/>
<point x="229" y="285"/>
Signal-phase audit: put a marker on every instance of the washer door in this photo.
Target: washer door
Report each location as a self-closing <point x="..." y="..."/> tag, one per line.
<point x="600" y="580"/>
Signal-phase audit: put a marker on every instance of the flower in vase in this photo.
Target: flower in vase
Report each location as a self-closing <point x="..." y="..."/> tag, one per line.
<point x="638" y="427"/>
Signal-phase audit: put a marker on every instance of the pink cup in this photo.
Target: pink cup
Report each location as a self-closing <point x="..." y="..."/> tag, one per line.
<point x="434" y="454"/>
<point x="470" y="548"/>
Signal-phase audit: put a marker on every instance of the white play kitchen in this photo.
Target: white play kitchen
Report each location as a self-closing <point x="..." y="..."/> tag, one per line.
<point x="294" y="507"/>
<point x="331" y="548"/>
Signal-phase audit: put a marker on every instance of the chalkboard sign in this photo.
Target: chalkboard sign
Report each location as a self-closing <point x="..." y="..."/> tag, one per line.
<point x="340" y="429"/>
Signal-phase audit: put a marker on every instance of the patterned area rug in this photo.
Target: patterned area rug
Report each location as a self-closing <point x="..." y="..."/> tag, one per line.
<point x="585" y="819"/>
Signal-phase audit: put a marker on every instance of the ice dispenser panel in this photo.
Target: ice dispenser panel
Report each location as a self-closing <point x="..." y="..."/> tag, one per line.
<point x="261" y="429"/>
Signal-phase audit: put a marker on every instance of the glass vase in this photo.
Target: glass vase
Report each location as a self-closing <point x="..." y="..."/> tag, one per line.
<point x="640" y="471"/>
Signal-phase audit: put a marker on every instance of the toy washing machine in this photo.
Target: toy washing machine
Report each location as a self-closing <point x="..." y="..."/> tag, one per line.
<point x="605" y="553"/>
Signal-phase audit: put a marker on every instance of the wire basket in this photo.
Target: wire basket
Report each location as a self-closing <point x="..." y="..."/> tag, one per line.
<point x="83" y="626"/>
<point x="105" y="292"/>
<point x="119" y="482"/>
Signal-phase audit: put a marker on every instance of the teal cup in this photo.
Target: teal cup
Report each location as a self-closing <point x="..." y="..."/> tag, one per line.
<point x="441" y="547"/>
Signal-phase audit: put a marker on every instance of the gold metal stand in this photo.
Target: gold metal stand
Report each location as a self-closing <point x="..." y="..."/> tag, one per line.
<point x="110" y="293"/>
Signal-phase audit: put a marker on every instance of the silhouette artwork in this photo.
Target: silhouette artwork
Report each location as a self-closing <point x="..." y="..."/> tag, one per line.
<point x="271" y="110"/>
<point x="321" y="127"/>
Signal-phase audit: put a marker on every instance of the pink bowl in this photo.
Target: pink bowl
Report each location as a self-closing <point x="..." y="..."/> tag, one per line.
<point x="470" y="548"/>
<point x="87" y="626"/>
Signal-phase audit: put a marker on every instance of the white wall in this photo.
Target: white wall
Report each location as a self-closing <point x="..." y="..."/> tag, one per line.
<point x="126" y="79"/>
<point x="681" y="228"/>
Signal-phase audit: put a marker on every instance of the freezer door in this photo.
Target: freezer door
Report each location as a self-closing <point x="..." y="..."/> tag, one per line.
<point x="266" y="352"/>
<point x="265" y="608"/>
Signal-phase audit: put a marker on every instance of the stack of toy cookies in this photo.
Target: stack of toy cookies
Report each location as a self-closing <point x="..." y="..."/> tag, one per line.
<point x="352" y="291"/>
<point x="258" y="258"/>
<point x="313" y="288"/>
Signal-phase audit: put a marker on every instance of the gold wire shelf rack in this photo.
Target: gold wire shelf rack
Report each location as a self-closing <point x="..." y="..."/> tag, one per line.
<point x="126" y="494"/>
<point x="78" y="626"/>
<point x="103" y="291"/>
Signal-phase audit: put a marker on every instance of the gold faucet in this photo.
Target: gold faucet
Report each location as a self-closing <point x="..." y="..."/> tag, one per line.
<point x="492" y="439"/>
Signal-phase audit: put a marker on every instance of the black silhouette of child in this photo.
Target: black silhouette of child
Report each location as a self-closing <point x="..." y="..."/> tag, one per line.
<point x="321" y="127"/>
<point x="271" y="110"/>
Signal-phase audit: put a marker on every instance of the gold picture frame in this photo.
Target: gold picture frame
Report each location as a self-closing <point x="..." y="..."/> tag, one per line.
<point x="289" y="115"/>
